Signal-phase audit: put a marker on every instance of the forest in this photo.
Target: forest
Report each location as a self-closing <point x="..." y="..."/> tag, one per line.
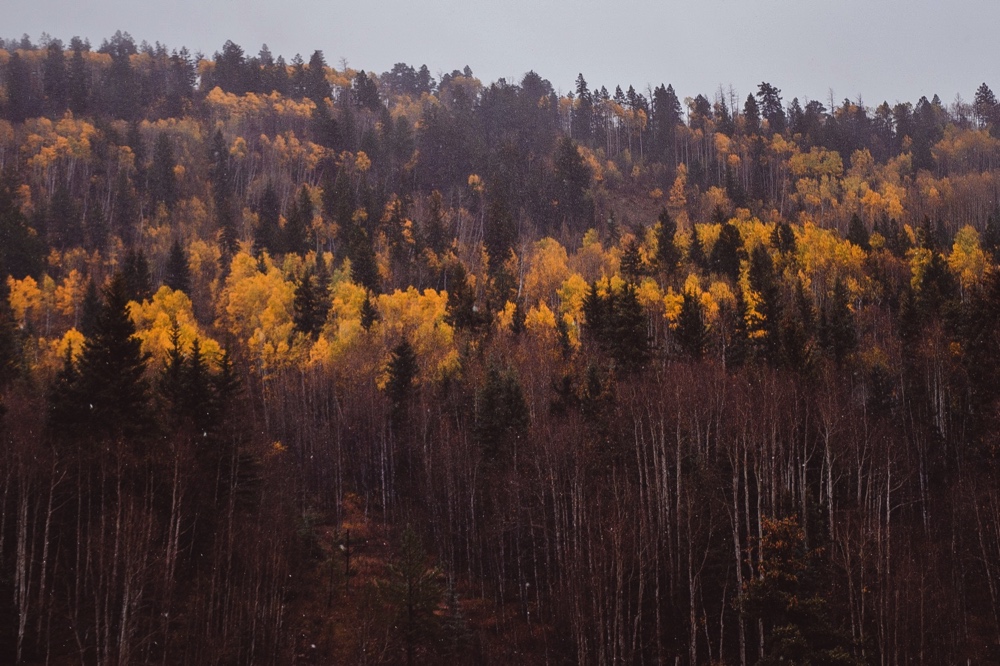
<point x="307" y="364"/>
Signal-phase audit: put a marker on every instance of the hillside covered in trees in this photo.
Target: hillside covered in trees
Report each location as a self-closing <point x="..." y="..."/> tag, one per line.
<point x="307" y="364"/>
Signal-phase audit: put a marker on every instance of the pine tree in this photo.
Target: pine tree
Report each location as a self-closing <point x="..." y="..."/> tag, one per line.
<point x="499" y="235"/>
<point x="178" y="273"/>
<point x="727" y="251"/>
<point x="369" y="314"/>
<point x="735" y="343"/>
<point x="297" y="224"/>
<point x="764" y="282"/>
<point x="692" y="331"/>
<point x="631" y="262"/>
<point x="107" y="394"/>
<point x="435" y="227"/>
<point x="696" y="252"/>
<point x="91" y="310"/>
<point x="9" y="355"/>
<point x="783" y="238"/>
<point x="171" y="380"/>
<point x="839" y="333"/>
<point x="502" y="417"/>
<point x="268" y="233"/>
<point x="79" y="91"/>
<point x="162" y="181"/>
<point x="629" y="339"/>
<point x="462" y="313"/>
<point x="667" y="253"/>
<point x="136" y="276"/>
<point x="858" y="234"/>
<point x="402" y="371"/>
<point x="414" y="591"/>
<point x="991" y="234"/>
<point x="309" y="315"/>
<point x="200" y="401"/>
<point x="21" y="250"/>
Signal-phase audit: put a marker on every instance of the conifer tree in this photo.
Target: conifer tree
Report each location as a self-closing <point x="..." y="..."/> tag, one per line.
<point x="858" y="234"/>
<point x="764" y="282"/>
<point x="9" y="355"/>
<point x="735" y="332"/>
<point x="402" y="371"/>
<point x="414" y="591"/>
<point x="667" y="253"/>
<point x="696" y="252"/>
<point x="162" y="181"/>
<point x="783" y="238"/>
<point x="107" y="394"/>
<point x="268" y="232"/>
<point x="178" y="273"/>
<point x="136" y="276"/>
<point x="297" y="224"/>
<point x="91" y="310"/>
<point x="630" y="334"/>
<point x="840" y="330"/>
<point x="309" y="314"/>
<point x="79" y="91"/>
<point x="631" y="262"/>
<point x="501" y="417"/>
<point x="369" y="314"/>
<point x="727" y="251"/>
<point x="692" y="330"/>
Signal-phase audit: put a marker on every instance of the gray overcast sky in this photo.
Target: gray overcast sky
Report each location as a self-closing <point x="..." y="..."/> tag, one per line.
<point x="895" y="50"/>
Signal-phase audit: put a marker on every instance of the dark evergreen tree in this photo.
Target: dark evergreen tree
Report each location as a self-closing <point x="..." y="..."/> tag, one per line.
<point x="364" y="269"/>
<point x="9" y="340"/>
<point x="414" y="591"/>
<point x="22" y="100"/>
<point x="136" y="276"/>
<point x="631" y="262"/>
<point x="692" y="330"/>
<point x="839" y="332"/>
<point x="317" y="88"/>
<point x="857" y="233"/>
<point x="107" y="395"/>
<point x="402" y="373"/>
<point x="222" y="194"/>
<point x="991" y="234"/>
<point x="572" y="180"/>
<point x="751" y="116"/>
<point x="696" y="251"/>
<point x="369" y="314"/>
<point x="297" y="224"/>
<point x="500" y="234"/>
<point x="735" y="340"/>
<point x="668" y="255"/>
<point x="268" y="232"/>
<point x="583" y="113"/>
<point x="171" y="379"/>
<point x="727" y="252"/>
<point x="178" y="273"/>
<point x="91" y="310"/>
<point x="765" y="283"/>
<point x="309" y="314"/>
<point x="79" y="81"/>
<point x="65" y="223"/>
<point x="55" y="79"/>
<point x="771" y="108"/>
<point x="502" y="417"/>
<point x="364" y="92"/>
<point x="162" y="181"/>
<point x="435" y="230"/>
<point x="783" y="238"/>
<point x="21" y="251"/>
